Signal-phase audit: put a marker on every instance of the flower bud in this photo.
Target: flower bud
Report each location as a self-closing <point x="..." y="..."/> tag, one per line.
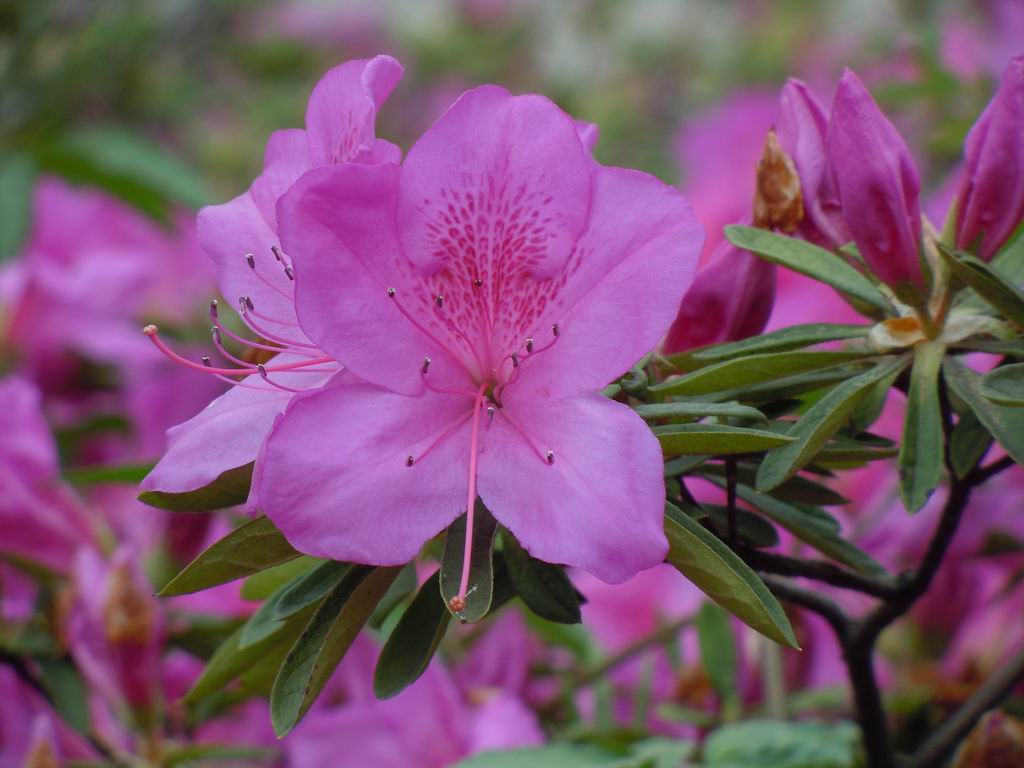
<point x="878" y="185"/>
<point x="803" y="123"/>
<point x="731" y="298"/>
<point x="991" y="197"/>
<point x="778" y="202"/>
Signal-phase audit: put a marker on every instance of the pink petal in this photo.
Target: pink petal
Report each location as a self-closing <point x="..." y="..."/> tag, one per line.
<point x="599" y="506"/>
<point x="334" y="477"/>
<point x="500" y="183"/>
<point x="338" y="226"/>
<point x="343" y="107"/>
<point x="636" y="261"/>
<point x="285" y="159"/>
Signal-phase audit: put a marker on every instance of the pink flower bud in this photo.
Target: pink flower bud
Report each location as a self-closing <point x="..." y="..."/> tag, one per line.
<point x="878" y="184"/>
<point x="991" y="196"/>
<point x="803" y="122"/>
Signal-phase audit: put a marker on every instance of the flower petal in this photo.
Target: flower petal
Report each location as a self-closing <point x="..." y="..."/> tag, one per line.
<point x="343" y="107"/>
<point x="285" y="159"/>
<point x="599" y="506"/>
<point x="338" y="226"/>
<point x="500" y="181"/>
<point x="334" y="476"/>
<point x="635" y="262"/>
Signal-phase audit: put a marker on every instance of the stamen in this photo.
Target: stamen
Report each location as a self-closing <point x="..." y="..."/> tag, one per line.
<point x="477" y="283"/>
<point x="252" y="311"/>
<point x="279" y="255"/>
<point x="529" y="346"/>
<point x="213" y="309"/>
<point x="392" y="294"/>
<point x="261" y="331"/>
<point x="410" y="460"/>
<point x="490" y="417"/>
<point x="440" y="390"/>
<point x="474" y="442"/>
<point x="263" y="374"/>
<point x="250" y="259"/>
<point x="289" y="273"/>
<point x="215" y="333"/>
<point x="439" y="301"/>
<point x="515" y="359"/>
<point x="548" y="457"/>
<point x="205" y="367"/>
<point x="257" y="345"/>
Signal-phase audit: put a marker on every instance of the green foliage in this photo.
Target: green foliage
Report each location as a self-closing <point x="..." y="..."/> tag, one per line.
<point x="1006" y="425"/>
<point x="543" y="587"/>
<point x="1005" y="386"/>
<point x="921" y="450"/>
<point x="480" y="586"/>
<point x="988" y="282"/>
<point x="718" y="656"/>
<point x="774" y="744"/>
<point x="17" y="175"/>
<point x="228" y="489"/>
<point x="717" y="439"/>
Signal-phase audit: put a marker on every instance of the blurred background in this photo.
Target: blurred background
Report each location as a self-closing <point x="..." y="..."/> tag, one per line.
<point x="119" y="118"/>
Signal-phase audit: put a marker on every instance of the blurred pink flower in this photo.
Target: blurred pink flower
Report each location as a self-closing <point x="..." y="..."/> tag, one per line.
<point x="499" y="277"/>
<point x="242" y="239"/>
<point x="31" y="731"/>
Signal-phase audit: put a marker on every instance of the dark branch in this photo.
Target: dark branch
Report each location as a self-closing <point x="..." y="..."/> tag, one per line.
<point x="815" y="602"/>
<point x="819" y="570"/>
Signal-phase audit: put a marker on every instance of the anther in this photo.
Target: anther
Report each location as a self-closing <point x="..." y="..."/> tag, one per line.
<point x="490" y="415"/>
<point x="439" y="301"/>
<point x="515" y="359"/>
<point x="290" y="273"/>
<point x="215" y="332"/>
<point x="250" y="260"/>
<point x="213" y="309"/>
<point x="391" y="293"/>
<point x="555" y="330"/>
<point x="409" y="461"/>
<point x="248" y="303"/>
<point x="550" y="456"/>
<point x="426" y="366"/>
<point x="149" y="330"/>
<point x="529" y="345"/>
<point x="206" y="361"/>
<point x="477" y="283"/>
<point x="263" y="371"/>
<point x="277" y="253"/>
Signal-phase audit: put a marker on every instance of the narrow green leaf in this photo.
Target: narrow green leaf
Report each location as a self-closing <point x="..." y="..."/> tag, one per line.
<point x="207" y="754"/>
<point x="807" y="259"/>
<point x="718" y="656"/>
<point x="968" y="444"/>
<point x="786" y="389"/>
<point x="66" y="691"/>
<point x="122" y="474"/>
<point x="987" y="282"/>
<point x="812" y="528"/>
<point x="715" y="439"/>
<point x="400" y="588"/>
<point x="1005" y="385"/>
<point x="262" y="585"/>
<point x="263" y="623"/>
<point x="870" y="408"/>
<point x="691" y="411"/>
<point x="253" y="546"/>
<point x="324" y="642"/>
<point x="1005" y="424"/>
<point x="1011" y="348"/>
<point x="756" y="369"/>
<point x="797" y="489"/>
<point x="784" y="339"/>
<point x="842" y="452"/>
<point x="560" y="755"/>
<point x="480" y="587"/>
<point x="229" y="489"/>
<point x="818" y="424"/>
<point x="753" y="530"/>
<point x="720" y="574"/>
<point x="413" y="642"/>
<point x="17" y="175"/>
<point x="920" y="461"/>
<point x="544" y="587"/>
<point x="310" y="587"/>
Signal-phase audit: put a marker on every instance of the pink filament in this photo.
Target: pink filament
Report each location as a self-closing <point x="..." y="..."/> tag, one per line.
<point x="303" y="367"/>
<point x="273" y="336"/>
<point x="474" y="441"/>
<point x="526" y="437"/>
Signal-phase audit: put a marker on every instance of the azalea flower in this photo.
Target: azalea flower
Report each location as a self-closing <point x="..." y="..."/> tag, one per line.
<point x="482" y="294"/>
<point x="242" y="239"/>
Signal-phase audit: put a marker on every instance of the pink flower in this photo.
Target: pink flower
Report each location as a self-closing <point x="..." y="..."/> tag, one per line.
<point x="242" y="239"/>
<point x="483" y="292"/>
<point x="991" y="197"/>
<point x="115" y="630"/>
<point x="31" y="733"/>
<point x="41" y="520"/>
<point x="878" y="184"/>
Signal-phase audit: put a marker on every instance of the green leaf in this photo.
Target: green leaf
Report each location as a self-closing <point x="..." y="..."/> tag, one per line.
<point x="715" y="439"/>
<point x="987" y="282"/>
<point x="544" y="587"/>
<point x="720" y="574"/>
<point x="480" y="587"/>
<point x="968" y="444"/>
<point x="753" y="530"/>
<point x="812" y="528"/>
<point x="1005" y="424"/>
<point x="253" y="546"/>
<point x="263" y="623"/>
<point x="691" y="411"/>
<point x="718" y="656"/>
<point x="920" y="462"/>
<point x="310" y="587"/>
<point x="807" y="259"/>
<point x="1005" y="385"/>
<point x="413" y="642"/>
<point x="778" y="744"/>
<point x="262" y="585"/>
<point x="784" y="339"/>
<point x="400" y="588"/>
<point x="17" y="175"/>
<point x="560" y="755"/>
<point x="205" y="754"/>
<point x="229" y="489"/>
<point x="66" y="691"/>
<point x="756" y="369"/>
<point x="324" y="642"/>
<point x="122" y="474"/>
<point x="818" y="424"/>
<point x="797" y="489"/>
<point x="126" y="165"/>
<point x="840" y="453"/>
